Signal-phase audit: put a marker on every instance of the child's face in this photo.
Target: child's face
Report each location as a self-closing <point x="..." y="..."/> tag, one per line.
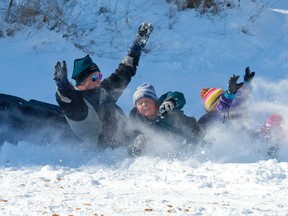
<point x="147" y="107"/>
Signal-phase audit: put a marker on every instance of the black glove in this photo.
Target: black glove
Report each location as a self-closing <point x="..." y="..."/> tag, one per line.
<point x="166" y="106"/>
<point x="248" y="76"/>
<point x="60" y="74"/>
<point x="138" y="145"/>
<point x="233" y="86"/>
<point x="141" y="39"/>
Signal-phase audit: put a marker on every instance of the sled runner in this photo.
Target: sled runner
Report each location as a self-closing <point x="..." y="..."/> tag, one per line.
<point x="32" y="121"/>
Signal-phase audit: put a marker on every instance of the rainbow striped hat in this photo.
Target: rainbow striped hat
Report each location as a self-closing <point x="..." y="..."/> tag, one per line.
<point x="211" y="97"/>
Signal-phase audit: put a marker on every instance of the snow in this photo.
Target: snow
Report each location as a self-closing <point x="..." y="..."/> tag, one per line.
<point x="187" y="51"/>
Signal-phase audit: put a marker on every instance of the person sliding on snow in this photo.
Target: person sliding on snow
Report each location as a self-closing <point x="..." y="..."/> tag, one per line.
<point x="226" y="105"/>
<point x="90" y="106"/>
<point x="231" y="105"/>
<point x="161" y="117"/>
<point x="272" y="133"/>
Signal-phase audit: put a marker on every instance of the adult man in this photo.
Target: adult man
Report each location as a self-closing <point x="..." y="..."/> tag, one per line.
<point x="90" y="106"/>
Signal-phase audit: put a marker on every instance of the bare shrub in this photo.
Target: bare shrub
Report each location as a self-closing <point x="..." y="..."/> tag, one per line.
<point x="203" y="6"/>
<point x="10" y="32"/>
<point x="8" y="10"/>
<point x="52" y="15"/>
<point x="25" y="13"/>
<point x="29" y="12"/>
<point x="1" y="33"/>
<point x="184" y="4"/>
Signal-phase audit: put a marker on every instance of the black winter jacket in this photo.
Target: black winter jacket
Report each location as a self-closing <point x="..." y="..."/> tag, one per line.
<point x="93" y="115"/>
<point x="173" y="124"/>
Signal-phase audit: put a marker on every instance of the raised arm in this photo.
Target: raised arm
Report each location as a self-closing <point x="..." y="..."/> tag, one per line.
<point x="119" y="80"/>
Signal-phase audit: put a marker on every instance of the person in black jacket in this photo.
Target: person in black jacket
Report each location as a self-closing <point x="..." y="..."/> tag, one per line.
<point x="157" y="120"/>
<point x="90" y="106"/>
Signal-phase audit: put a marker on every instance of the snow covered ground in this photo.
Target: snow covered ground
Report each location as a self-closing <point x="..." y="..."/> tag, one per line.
<point x="187" y="51"/>
<point x="146" y="186"/>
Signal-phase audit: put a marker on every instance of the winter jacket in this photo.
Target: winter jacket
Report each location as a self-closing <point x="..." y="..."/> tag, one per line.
<point x="173" y="124"/>
<point x="93" y="115"/>
<point x="229" y="106"/>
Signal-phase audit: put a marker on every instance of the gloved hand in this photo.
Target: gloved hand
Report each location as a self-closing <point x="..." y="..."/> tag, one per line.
<point x="248" y="76"/>
<point x="233" y="86"/>
<point x="141" y="39"/>
<point x="139" y="142"/>
<point x="138" y="145"/>
<point x="60" y="74"/>
<point x="166" y="106"/>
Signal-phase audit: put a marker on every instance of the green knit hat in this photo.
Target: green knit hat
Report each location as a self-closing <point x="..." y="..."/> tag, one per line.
<point x="83" y="67"/>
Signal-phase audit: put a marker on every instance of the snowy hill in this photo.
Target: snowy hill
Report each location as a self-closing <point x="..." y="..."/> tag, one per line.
<point x="187" y="51"/>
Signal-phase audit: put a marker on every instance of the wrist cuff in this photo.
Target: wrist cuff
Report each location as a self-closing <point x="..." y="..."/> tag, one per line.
<point x="228" y="95"/>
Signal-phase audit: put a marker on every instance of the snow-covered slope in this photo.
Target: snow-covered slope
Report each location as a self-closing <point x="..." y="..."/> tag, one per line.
<point x="187" y="51"/>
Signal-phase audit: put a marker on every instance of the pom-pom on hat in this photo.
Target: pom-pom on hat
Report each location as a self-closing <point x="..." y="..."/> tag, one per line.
<point x="145" y="90"/>
<point x="83" y="67"/>
<point x="211" y="97"/>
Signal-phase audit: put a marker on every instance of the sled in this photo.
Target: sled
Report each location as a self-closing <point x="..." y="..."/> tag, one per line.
<point x="32" y="121"/>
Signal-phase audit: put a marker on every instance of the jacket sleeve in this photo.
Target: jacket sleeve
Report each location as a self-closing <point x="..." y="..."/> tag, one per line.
<point x="242" y="95"/>
<point x="117" y="82"/>
<point x="182" y="125"/>
<point x="225" y="101"/>
<point x="72" y="103"/>
<point x="233" y="101"/>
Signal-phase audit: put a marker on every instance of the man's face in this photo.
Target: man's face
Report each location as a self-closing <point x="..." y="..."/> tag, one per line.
<point x="91" y="82"/>
<point x="147" y="107"/>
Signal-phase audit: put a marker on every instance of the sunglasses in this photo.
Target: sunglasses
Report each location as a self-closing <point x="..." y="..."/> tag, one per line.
<point x="95" y="77"/>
